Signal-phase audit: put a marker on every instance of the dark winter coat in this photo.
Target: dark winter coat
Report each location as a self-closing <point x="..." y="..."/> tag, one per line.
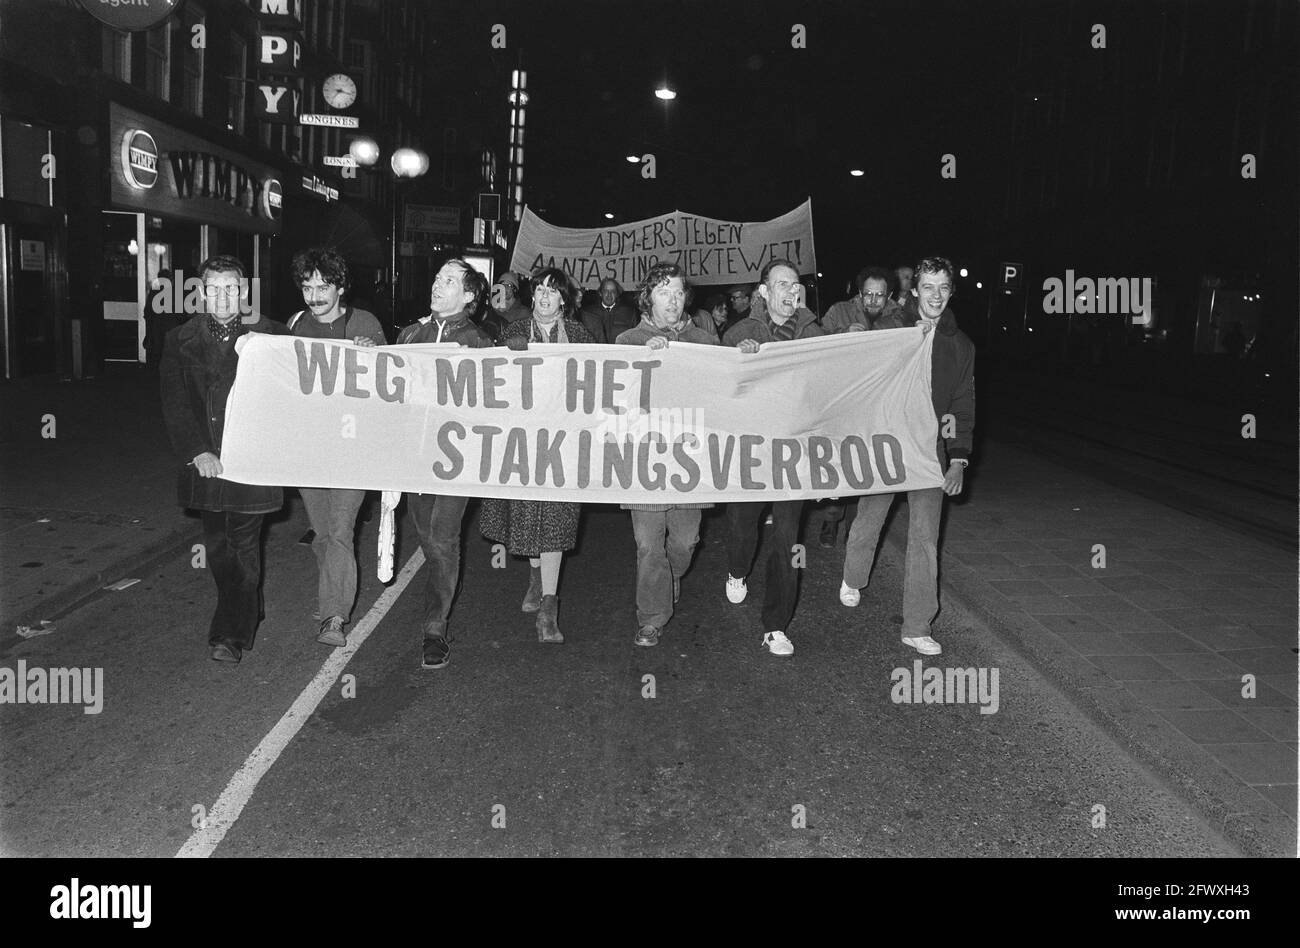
<point x="197" y="373"/>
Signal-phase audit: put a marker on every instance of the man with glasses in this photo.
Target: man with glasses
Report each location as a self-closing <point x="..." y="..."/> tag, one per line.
<point x="784" y="319"/>
<point x="322" y="276"/>
<point x="738" y="300"/>
<point x="870" y="308"/>
<point x="197" y="373"/>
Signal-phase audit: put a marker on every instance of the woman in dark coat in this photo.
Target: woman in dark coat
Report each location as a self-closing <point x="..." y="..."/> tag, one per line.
<point x="197" y="372"/>
<point x="540" y="530"/>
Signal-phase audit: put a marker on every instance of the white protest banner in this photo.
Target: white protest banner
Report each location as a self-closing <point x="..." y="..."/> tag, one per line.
<point x="831" y="416"/>
<point x="709" y="251"/>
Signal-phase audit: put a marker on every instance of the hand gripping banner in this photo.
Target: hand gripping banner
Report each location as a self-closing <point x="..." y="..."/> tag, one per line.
<point x="826" y="417"/>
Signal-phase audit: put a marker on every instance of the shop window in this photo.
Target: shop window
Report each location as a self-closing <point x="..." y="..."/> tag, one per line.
<point x="235" y="86"/>
<point x="116" y="54"/>
<point x="157" y="55"/>
<point x="191" y="61"/>
<point x="25" y="148"/>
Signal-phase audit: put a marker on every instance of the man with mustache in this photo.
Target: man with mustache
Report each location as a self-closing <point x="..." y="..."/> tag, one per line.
<point x="322" y="276"/>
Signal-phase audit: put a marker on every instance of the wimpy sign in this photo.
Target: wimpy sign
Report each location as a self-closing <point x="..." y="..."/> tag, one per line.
<point x="709" y="251"/>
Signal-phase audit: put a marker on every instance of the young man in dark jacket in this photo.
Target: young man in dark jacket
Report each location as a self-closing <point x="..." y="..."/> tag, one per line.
<point x="456" y="292"/>
<point x="952" y="381"/>
<point x="197" y="373"/>
<point x="782" y="319"/>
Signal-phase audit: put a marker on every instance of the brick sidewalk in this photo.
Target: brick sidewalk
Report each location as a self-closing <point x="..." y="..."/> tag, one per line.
<point x="77" y="508"/>
<point x="1156" y="644"/>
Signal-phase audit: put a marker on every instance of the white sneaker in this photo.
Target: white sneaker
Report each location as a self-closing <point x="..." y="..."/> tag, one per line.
<point x="924" y="644"/>
<point x="736" y="589"/>
<point x="778" y="644"/>
<point x="848" y="595"/>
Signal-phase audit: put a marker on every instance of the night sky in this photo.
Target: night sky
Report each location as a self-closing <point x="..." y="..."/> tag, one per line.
<point x="885" y="87"/>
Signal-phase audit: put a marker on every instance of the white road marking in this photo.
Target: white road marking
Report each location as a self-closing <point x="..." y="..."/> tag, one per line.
<point x="231" y="803"/>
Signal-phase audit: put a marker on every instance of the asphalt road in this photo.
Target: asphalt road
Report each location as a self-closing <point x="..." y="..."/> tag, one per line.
<point x="556" y="745"/>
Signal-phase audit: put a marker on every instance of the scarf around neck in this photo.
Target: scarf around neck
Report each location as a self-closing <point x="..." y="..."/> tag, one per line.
<point x="541" y="334"/>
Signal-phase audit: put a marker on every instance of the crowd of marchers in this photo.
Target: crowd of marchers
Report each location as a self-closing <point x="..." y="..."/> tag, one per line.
<point x="200" y="358"/>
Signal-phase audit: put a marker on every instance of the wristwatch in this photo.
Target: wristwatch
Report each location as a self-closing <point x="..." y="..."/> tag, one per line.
<point x="964" y="462"/>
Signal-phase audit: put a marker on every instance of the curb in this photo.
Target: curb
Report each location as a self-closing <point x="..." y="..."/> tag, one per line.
<point x="70" y="597"/>
<point x="1221" y="799"/>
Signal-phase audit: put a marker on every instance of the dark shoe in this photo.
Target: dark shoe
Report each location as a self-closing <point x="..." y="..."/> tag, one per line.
<point x="437" y="653"/>
<point x="548" y="629"/>
<point x="533" y="598"/>
<point x="221" y="652"/>
<point x="647" y="635"/>
<point x="331" y="632"/>
<point x="829" y="531"/>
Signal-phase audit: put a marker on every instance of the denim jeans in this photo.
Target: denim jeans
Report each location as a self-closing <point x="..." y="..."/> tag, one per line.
<point x="438" y="522"/>
<point x="333" y="515"/>
<point x="921" y="572"/>
<point x="665" y="542"/>
<point x="781" y="586"/>
<point x="234" y="556"/>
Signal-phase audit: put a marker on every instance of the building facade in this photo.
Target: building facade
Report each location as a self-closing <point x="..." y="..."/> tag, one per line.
<point x="128" y="157"/>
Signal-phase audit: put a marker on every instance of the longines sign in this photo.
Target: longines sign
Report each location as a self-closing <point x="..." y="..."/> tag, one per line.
<point x="163" y="170"/>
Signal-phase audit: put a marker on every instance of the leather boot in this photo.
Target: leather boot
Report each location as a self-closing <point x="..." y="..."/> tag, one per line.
<point x="533" y="598"/>
<point x="547" y="628"/>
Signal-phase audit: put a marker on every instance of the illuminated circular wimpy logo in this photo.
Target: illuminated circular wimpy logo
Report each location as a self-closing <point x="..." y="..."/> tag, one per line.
<point x="139" y="159"/>
<point x="272" y="196"/>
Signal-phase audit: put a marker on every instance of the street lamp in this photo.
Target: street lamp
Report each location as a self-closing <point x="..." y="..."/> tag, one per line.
<point x="665" y="93"/>
<point x="406" y="163"/>
<point x="364" y="151"/>
<point x="857" y="172"/>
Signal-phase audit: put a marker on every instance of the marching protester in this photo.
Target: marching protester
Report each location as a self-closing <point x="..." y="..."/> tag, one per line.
<point x="197" y="372"/>
<point x="666" y="534"/>
<point x="322" y="276"/>
<point x="505" y="300"/>
<point x="738" y="302"/>
<point x="608" y="315"/>
<point x="457" y="289"/>
<point x="540" y="530"/>
<point x="870" y="308"/>
<point x="904" y="281"/>
<point x="952" y="379"/>
<point x="783" y="319"/>
<point x="712" y="317"/>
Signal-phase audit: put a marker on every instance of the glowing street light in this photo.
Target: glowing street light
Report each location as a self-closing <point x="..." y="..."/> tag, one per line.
<point x="609" y="216"/>
<point x="665" y="93"/>
<point x="857" y="172"/>
<point x="964" y="272"/>
<point x="364" y="151"/>
<point x="633" y="159"/>
<point x="409" y="163"/>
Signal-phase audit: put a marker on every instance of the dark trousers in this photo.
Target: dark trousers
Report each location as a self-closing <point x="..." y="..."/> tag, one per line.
<point x="781" y="585"/>
<point x="234" y="553"/>
<point x="837" y="511"/>
<point x="437" y="520"/>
